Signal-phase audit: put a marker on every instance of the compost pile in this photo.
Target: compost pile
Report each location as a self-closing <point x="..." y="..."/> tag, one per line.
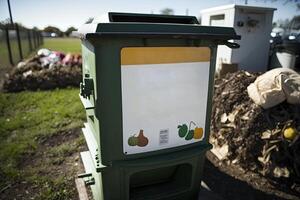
<point x="251" y="137"/>
<point x="46" y="70"/>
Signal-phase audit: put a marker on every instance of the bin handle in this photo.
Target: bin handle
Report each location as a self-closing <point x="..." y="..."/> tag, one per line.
<point x="232" y="45"/>
<point x="191" y="125"/>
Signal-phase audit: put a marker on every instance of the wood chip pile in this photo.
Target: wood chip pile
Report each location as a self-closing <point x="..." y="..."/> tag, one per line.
<point x="246" y="135"/>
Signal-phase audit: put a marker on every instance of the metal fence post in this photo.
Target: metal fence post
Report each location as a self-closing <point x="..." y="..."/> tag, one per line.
<point x="34" y="39"/>
<point x="38" y="38"/>
<point x="16" y="49"/>
<point x="42" y="38"/>
<point x="19" y="41"/>
<point x="8" y="45"/>
<point x="29" y="39"/>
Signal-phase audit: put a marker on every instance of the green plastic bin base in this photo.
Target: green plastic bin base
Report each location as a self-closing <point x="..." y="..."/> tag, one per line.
<point x="173" y="176"/>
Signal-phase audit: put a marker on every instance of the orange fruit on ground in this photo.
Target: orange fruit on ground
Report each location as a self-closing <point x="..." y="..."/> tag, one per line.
<point x="290" y="133"/>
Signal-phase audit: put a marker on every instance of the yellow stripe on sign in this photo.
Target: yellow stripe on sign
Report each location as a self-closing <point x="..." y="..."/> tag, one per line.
<point x="161" y="55"/>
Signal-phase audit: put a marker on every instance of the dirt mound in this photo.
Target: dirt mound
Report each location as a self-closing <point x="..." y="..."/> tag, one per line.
<point x="246" y="135"/>
<point x="40" y="73"/>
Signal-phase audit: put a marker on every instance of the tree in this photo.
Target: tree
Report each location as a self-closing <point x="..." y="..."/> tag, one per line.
<point x="5" y="21"/>
<point x="167" y="11"/>
<point x="283" y="23"/>
<point x="53" y="29"/>
<point x="284" y="2"/>
<point x="70" y="30"/>
<point x="295" y="23"/>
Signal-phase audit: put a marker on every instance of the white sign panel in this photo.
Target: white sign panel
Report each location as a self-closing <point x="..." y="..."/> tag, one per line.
<point x="163" y="103"/>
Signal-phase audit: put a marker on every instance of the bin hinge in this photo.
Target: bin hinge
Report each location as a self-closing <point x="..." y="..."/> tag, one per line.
<point x="87" y="178"/>
<point x="232" y="45"/>
<point x="87" y="87"/>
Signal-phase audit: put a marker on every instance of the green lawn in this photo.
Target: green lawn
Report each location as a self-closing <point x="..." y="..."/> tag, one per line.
<point x="67" y="45"/>
<point x="32" y="128"/>
<point x="40" y="139"/>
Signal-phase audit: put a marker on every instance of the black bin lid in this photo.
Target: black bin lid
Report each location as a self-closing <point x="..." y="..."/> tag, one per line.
<point x="153" y="26"/>
<point x="145" y="18"/>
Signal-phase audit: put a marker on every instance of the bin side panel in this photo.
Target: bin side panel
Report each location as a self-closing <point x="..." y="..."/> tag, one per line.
<point x="97" y="188"/>
<point x="89" y="68"/>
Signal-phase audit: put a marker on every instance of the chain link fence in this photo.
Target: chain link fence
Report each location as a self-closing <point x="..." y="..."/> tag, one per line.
<point x="16" y="43"/>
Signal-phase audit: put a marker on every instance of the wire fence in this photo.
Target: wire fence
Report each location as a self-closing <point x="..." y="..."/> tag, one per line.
<point x="16" y="43"/>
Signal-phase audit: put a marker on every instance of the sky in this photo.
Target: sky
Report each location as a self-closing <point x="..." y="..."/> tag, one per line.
<point x="66" y="13"/>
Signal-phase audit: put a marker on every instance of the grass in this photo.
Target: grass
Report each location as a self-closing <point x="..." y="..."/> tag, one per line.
<point x="40" y="138"/>
<point x="67" y="45"/>
<point x="27" y="120"/>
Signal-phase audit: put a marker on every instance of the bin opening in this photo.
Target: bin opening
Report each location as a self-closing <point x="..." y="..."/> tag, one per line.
<point x="134" y="17"/>
<point x="161" y="182"/>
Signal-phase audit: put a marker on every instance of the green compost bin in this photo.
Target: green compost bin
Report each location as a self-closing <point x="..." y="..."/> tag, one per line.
<point x="147" y="89"/>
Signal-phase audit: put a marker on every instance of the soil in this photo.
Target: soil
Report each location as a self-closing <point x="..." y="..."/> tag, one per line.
<point x="67" y="167"/>
<point x="227" y="181"/>
<point x="255" y="147"/>
<point x="233" y="183"/>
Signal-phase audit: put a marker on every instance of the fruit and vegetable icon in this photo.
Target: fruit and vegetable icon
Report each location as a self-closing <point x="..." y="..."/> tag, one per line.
<point x="183" y="129"/>
<point x="198" y="133"/>
<point x="139" y="140"/>
<point x="188" y="133"/>
<point x="132" y="141"/>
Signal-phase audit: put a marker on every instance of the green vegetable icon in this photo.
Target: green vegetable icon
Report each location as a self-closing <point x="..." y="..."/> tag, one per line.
<point x="190" y="135"/>
<point x="132" y="141"/>
<point x="182" y="130"/>
<point x="140" y="140"/>
<point x="186" y="132"/>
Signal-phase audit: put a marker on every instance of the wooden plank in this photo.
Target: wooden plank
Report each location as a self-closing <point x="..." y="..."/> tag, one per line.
<point x="82" y="192"/>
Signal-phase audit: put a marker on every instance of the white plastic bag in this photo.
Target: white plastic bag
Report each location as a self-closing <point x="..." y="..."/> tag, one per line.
<point x="44" y="52"/>
<point x="274" y="87"/>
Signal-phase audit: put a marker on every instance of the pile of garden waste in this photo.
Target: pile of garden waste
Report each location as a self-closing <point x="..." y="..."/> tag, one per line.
<point x="45" y="70"/>
<point x="264" y="141"/>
